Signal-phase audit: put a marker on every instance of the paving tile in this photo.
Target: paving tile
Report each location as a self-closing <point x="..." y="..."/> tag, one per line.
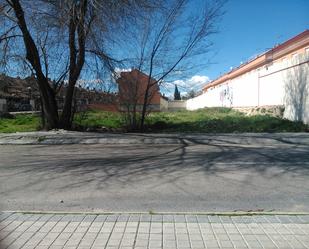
<point x="111" y="218"/>
<point x="152" y="231"/>
<point x="214" y="219"/>
<point x="179" y="218"/>
<point x="304" y="218"/>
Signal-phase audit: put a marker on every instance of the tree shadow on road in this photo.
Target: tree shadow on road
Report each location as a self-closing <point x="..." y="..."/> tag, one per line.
<point x="124" y="166"/>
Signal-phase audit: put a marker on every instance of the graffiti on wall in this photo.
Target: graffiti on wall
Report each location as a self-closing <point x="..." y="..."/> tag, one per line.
<point x="226" y="96"/>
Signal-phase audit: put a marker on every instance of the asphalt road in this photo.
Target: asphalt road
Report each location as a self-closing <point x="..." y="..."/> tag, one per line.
<point x="191" y="176"/>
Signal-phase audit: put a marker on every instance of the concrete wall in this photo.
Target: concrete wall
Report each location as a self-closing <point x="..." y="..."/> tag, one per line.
<point x="176" y="105"/>
<point x="241" y="91"/>
<point x="296" y="93"/>
<point x="3" y="105"/>
<point x="163" y="104"/>
<point x="139" y="108"/>
<point x="282" y="82"/>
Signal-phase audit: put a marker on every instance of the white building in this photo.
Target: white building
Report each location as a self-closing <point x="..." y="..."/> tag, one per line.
<point x="280" y="76"/>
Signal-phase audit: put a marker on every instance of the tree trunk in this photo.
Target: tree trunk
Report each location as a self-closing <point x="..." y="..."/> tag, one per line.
<point x="43" y="123"/>
<point x="77" y="59"/>
<point x="50" y="109"/>
<point x="144" y="108"/>
<point x="32" y="55"/>
<point x="66" y="116"/>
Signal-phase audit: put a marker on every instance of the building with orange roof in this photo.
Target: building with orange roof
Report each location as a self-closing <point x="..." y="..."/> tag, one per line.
<point x="279" y="76"/>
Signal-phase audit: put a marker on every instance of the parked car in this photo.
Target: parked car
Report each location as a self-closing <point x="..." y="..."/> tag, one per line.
<point x="25" y="107"/>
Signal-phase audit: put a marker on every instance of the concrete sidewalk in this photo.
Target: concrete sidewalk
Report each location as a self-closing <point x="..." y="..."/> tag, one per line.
<point x="168" y="231"/>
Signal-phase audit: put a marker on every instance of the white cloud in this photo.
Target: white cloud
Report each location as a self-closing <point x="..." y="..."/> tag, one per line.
<point x="119" y="70"/>
<point x="196" y="83"/>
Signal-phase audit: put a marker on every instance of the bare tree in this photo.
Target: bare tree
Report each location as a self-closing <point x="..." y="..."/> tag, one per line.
<point x="171" y="40"/>
<point x="132" y="86"/>
<point x="191" y="94"/>
<point x="58" y="37"/>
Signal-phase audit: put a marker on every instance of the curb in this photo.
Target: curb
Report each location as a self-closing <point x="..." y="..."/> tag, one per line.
<point x="70" y="137"/>
<point x="88" y="141"/>
<point x="236" y="213"/>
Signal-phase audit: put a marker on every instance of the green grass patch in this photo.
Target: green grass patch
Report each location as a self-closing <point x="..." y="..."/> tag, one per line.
<point x="208" y="120"/>
<point x="96" y="118"/>
<point x="219" y="120"/>
<point x="20" y="123"/>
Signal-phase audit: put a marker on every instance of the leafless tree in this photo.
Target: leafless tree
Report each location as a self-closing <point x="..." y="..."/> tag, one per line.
<point x="61" y="38"/>
<point x="191" y="94"/>
<point x="131" y="96"/>
<point x="170" y="41"/>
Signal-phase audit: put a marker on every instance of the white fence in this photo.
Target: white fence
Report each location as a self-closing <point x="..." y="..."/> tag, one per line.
<point x="163" y="104"/>
<point x="282" y="83"/>
<point x="176" y="105"/>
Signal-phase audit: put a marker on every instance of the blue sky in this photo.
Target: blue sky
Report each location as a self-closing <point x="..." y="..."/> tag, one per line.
<point x="250" y="27"/>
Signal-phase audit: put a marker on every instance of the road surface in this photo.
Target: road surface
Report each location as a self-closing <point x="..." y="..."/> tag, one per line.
<point x="190" y="176"/>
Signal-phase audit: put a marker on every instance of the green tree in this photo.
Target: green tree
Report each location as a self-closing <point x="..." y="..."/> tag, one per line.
<point x="177" y="94"/>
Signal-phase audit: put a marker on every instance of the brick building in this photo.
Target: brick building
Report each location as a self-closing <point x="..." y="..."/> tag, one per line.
<point x="132" y="87"/>
<point x="18" y="94"/>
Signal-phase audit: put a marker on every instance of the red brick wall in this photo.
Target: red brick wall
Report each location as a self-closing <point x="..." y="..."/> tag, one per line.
<point x="132" y="87"/>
